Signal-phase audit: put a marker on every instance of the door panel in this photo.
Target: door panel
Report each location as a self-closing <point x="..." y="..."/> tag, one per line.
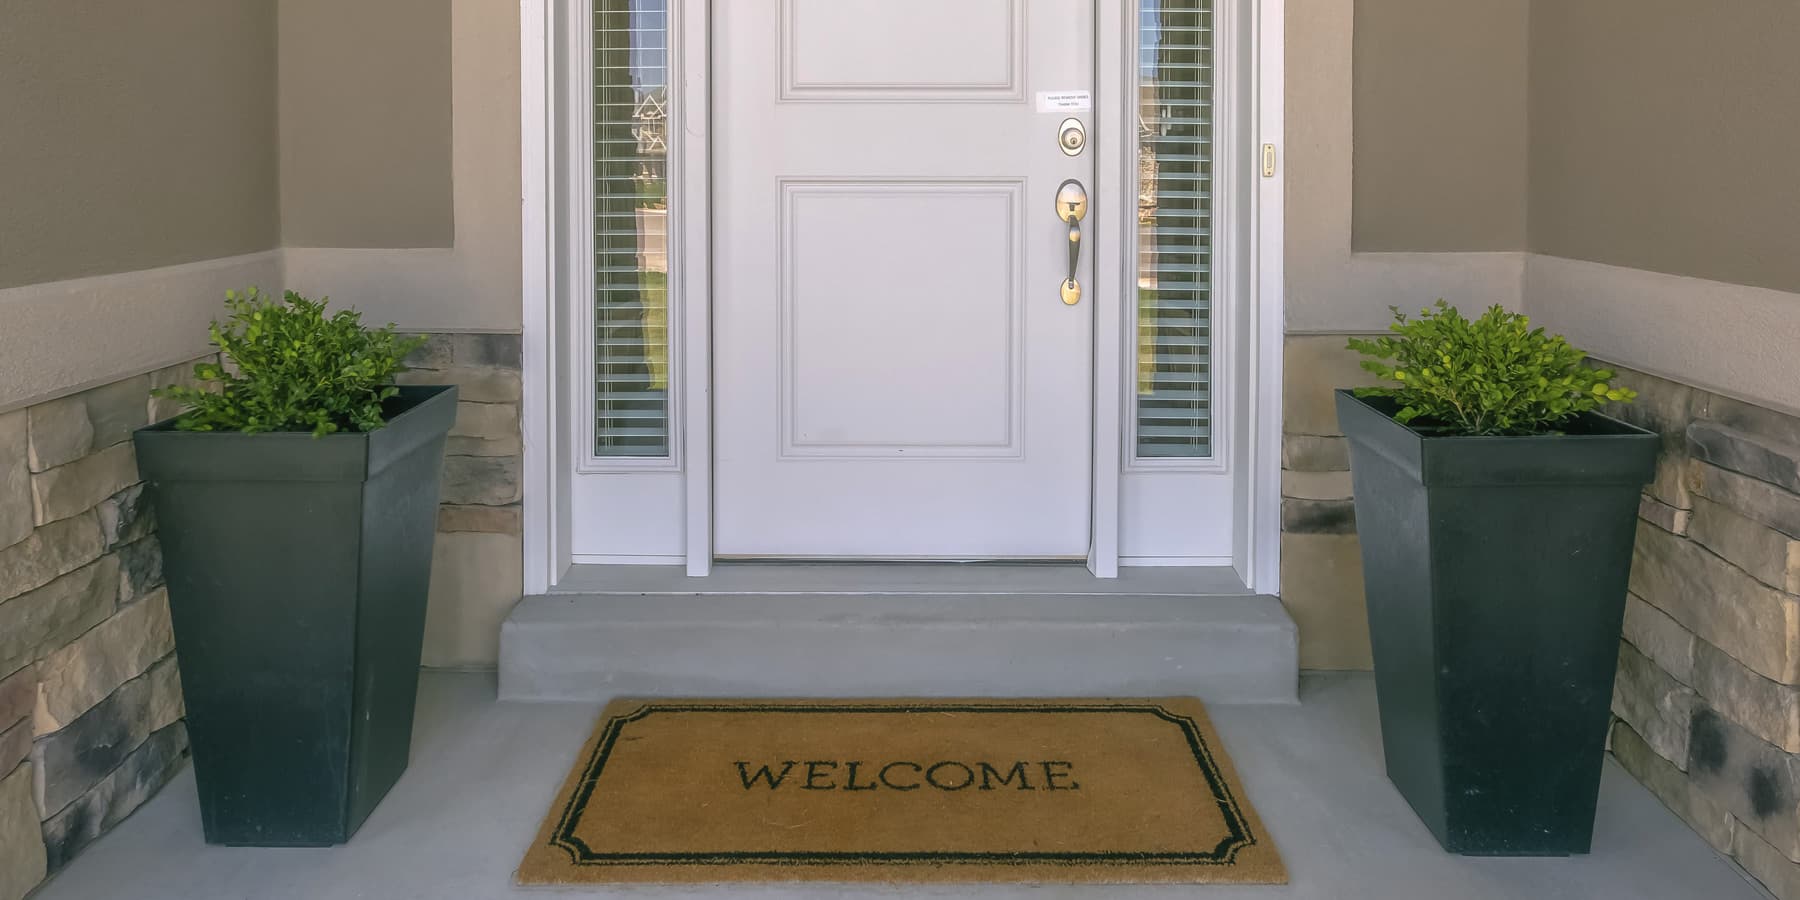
<point x="911" y="49"/>
<point x="896" y="373"/>
<point x="855" y="320"/>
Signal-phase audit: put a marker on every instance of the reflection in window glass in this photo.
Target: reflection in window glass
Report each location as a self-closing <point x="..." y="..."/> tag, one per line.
<point x="1174" y="265"/>
<point x="631" y="227"/>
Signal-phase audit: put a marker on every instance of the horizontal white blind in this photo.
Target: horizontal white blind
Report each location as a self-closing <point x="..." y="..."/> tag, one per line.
<point x="631" y="260"/>
<point x="1174" y="254"/>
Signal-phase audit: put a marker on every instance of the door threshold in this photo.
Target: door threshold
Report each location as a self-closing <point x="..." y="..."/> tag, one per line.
<point x="899" y="560"/>
<point x="916" y="578"/>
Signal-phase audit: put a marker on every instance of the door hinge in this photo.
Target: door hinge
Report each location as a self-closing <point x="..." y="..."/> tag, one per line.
<point x="1268" y="161"/>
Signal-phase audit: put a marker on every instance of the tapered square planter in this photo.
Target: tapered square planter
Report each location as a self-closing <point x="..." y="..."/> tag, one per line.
<point x="1495" y="570"/>
<point x="297" y="571"/>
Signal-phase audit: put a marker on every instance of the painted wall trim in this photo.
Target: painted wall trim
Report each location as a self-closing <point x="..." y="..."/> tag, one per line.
<point x="430" y="289"/>
<point x="60" y="337"/>
<point x="1346" y="292"/>
<point x="1730" y="339"/>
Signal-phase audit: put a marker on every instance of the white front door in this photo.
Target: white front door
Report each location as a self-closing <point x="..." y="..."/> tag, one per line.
<point x="896" y="373"/>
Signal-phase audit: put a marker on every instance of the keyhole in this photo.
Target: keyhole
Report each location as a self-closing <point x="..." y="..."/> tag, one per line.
<point x="1071" y="137"/>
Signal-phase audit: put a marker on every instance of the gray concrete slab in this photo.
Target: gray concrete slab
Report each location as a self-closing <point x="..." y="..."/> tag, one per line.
<point x="484" y="772"/>
<point x="1240" y="648"/>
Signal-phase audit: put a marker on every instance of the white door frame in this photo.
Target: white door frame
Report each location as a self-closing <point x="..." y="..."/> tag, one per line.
<point x="547" y="47"/>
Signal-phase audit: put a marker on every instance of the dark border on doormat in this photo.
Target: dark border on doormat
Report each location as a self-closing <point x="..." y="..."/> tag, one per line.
<point x="1225" y="853"/>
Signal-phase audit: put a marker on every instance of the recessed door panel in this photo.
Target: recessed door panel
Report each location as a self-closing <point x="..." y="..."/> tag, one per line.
<point x="861" y="50"/>
<point x="861" y="308"/>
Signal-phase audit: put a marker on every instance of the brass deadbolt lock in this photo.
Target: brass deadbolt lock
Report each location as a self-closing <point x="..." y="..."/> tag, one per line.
<point x="1071" y="137"/>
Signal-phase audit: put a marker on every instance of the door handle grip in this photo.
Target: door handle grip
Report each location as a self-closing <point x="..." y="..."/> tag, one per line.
<point x="1071" y="285"/>
<point x="1071" y="208"/>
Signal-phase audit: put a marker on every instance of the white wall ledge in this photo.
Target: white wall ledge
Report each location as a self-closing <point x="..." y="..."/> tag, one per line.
<point x="1739" y="341"/>
<point x="60" y="337"/>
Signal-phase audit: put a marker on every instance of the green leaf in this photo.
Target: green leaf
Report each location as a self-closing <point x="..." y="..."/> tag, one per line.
<point x="292" y="368"/>
<point x="1495" y="374"/>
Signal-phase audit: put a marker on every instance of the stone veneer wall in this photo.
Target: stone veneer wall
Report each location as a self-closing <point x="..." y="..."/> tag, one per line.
<point x="1321" y="562"/>
<point x="1708" y="694"/>
<point x="90" y="699"/>
<point x="478" y="566"/>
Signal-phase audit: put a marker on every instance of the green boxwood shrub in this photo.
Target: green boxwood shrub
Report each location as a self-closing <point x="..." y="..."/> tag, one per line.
<point x="1495" y="375"/>
<point x="287" y="366"/>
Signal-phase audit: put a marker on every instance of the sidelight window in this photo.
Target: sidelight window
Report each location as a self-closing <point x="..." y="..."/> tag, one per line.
<point x="1174" y="253"/>
<point x="631" y="228"/>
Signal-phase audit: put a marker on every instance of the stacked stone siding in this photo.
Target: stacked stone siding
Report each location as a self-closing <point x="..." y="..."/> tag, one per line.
<point x="478" y="565"/>
<point x="90" y="699"/>
<point x="1708" y="695"/>
<point x="1321" y="562"/>
<point x="90" y="696"/>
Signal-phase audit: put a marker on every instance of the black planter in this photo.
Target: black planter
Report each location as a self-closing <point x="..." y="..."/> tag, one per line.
<point x="297" y="571"/>
<point x="1496" y="570"/>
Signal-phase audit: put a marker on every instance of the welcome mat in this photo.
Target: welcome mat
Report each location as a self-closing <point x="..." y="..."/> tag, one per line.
<point x="1118" y="791"/>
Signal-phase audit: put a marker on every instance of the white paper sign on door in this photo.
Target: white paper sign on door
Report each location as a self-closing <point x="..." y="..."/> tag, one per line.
<point x="1064" y="101"/>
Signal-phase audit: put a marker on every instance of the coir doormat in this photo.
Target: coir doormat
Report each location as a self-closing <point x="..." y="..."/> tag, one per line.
<point x="692" y="791"/>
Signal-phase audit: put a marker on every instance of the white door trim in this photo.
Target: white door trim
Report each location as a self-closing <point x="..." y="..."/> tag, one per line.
<point x="545" y="52"/>
<point x="1115" y="276"/>
<point x="546" y="511"/>
<point x="1259" y="561"/>
<point x="690" y="55"/>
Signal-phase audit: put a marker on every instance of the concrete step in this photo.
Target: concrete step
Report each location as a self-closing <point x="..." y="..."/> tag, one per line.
<point x="899" y="631"/>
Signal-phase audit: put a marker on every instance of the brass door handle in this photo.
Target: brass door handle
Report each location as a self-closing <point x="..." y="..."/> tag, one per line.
<point x="1071" y="289"/>
<point x="1071" y="207"/>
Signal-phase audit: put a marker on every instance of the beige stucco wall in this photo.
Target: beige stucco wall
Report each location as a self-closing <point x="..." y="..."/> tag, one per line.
<point x="1331" y="286"/>
<point x="474" y="284"/>
<point x="138" y="181"/>
<point x="1659" y="207"/>
<point x="1666" y="136"/>
<point x="1664" y="200"/>
<point x="365" y="123"/>
<point x="1647" y="134"/>
<point x="141" y="147"/>
<point x="134" y="135"/>
<point x="1440" y="131"/>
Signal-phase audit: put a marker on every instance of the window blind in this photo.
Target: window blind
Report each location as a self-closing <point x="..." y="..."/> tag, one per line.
<point x="1174" y="254"/>
<point x="631" y="216"/>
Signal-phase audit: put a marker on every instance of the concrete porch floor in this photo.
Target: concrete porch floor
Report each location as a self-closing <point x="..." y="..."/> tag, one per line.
<point x="483" y="773"/>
